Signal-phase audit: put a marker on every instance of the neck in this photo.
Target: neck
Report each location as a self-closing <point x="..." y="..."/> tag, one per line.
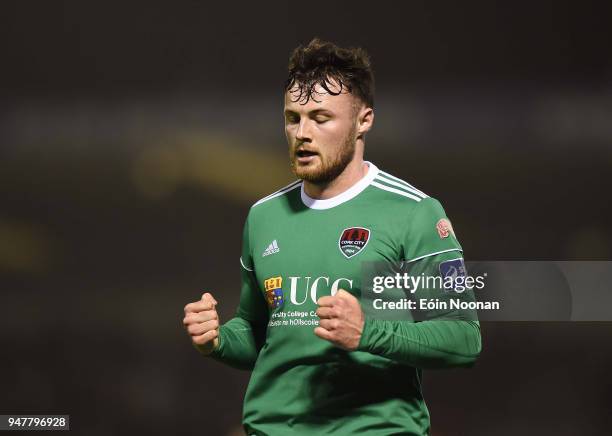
<point x="354" y="171"/>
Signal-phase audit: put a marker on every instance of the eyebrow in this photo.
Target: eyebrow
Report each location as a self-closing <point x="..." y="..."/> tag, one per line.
<point x="313" y="112"/>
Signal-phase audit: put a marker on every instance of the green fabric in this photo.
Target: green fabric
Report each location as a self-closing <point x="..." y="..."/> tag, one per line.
<point x="427" y="344"/>
<point x="238" y="344"/>
<point x="302" y="384"/>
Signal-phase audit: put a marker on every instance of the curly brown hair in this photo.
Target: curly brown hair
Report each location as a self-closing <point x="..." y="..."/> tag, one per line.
<point x="320" y="62"/>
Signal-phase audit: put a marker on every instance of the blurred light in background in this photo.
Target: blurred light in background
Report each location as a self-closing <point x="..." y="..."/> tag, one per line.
<point x="24" y="247"/>
<point x="219" y="164"/>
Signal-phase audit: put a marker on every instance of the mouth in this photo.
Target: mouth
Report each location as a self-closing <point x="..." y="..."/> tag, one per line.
<point x="305" y="153"/>
<point x="305" y="156"/>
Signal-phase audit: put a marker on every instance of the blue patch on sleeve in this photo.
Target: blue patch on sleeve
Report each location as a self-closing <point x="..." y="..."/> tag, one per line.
<point x="452" y="268"/>
<point x="453" y="275"/>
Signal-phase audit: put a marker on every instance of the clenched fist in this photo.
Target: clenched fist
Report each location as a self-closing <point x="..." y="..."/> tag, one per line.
<point x="341" y="321"/>
<point x="202" y="323"/>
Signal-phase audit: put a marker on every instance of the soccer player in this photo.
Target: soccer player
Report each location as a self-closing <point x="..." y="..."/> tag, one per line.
<point x="320" y="364"/>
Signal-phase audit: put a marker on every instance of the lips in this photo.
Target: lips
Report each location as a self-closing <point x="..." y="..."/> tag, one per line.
<point x="305" y="153"/>
<point x="304" y="156"/>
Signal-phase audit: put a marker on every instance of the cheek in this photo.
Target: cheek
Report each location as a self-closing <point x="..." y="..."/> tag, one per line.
<point x="289" y="133"/>
<point x="332" y="136"/>
<point x="337" y="128"/>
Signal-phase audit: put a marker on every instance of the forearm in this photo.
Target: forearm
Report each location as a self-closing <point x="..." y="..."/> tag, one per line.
<point x="239" y="343"/>
<point x="427" y="344"/>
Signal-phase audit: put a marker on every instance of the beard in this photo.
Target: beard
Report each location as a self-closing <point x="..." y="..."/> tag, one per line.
<point x="329" y="168"/>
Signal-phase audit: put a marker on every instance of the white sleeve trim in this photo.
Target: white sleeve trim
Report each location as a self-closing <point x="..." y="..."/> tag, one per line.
<point x="244" y="266"/>
<point x="433" y="254"/>
<point x="456" y="258"/>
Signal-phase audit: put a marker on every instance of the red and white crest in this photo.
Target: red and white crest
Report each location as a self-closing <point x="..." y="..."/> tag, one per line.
<point x="353" y="240"/>
<point x="444" y="228"/>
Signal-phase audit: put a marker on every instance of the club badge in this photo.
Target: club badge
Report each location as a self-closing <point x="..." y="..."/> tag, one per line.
<point x="353" y="240"/>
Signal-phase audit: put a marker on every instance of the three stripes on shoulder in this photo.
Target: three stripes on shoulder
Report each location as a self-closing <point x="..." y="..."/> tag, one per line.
<point x="387" y="182"/>
<point x="281" y="191"/>
<point x="383" y="180"/>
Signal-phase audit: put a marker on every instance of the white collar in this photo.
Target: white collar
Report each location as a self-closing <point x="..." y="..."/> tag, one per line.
<point x="343" y="197"/>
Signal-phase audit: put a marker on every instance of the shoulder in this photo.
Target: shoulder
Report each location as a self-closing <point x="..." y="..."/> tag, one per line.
<point x="296" y="184"/>
<point x="421" y="220"/>
<point x="421" y="207"/>
<point x="399" y="192"/>
<point x="276" y="198"/>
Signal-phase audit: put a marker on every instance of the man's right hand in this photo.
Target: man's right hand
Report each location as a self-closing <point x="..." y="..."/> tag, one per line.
<point x="202" y="323"/>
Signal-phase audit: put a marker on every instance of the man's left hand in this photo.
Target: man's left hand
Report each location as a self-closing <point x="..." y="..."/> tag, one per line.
<point x="341" y="321"/>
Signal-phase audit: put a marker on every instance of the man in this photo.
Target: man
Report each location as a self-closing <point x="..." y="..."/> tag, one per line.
<point x="320" y="364"/>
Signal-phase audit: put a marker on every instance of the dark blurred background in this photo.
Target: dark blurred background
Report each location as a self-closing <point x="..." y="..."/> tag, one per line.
<point x="134" y="136"/>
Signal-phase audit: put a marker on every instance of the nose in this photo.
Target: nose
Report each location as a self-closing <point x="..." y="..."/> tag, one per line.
<point x="303" y="134"/>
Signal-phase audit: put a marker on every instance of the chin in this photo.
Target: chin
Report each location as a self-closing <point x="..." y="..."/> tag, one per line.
<point x="314" y="176"/>
<point x="310" y="173"/>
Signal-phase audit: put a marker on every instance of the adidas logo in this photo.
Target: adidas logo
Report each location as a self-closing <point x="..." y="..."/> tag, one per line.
<point x="272" y="248"/>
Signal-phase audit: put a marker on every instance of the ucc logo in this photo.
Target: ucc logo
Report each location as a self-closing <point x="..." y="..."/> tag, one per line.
<point x="304" y="287"/>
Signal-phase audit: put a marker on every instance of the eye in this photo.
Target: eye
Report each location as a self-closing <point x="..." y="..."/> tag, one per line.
<point x="292" y="118"/>
<point x="321" y="120"/>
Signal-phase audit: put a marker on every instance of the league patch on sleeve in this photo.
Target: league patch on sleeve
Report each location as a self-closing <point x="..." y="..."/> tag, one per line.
<point x="453" y="273"/>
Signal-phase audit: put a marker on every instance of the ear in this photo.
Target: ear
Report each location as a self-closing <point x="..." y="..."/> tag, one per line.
<point x="365" y="120"/>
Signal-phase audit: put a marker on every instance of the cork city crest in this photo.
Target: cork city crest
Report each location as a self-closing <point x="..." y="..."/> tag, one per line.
<point x="353" y="240"/>
<point x="274" y="292"/>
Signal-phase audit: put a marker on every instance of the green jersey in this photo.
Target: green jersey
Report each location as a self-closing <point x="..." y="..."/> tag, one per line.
<point x="297" y="249"/>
